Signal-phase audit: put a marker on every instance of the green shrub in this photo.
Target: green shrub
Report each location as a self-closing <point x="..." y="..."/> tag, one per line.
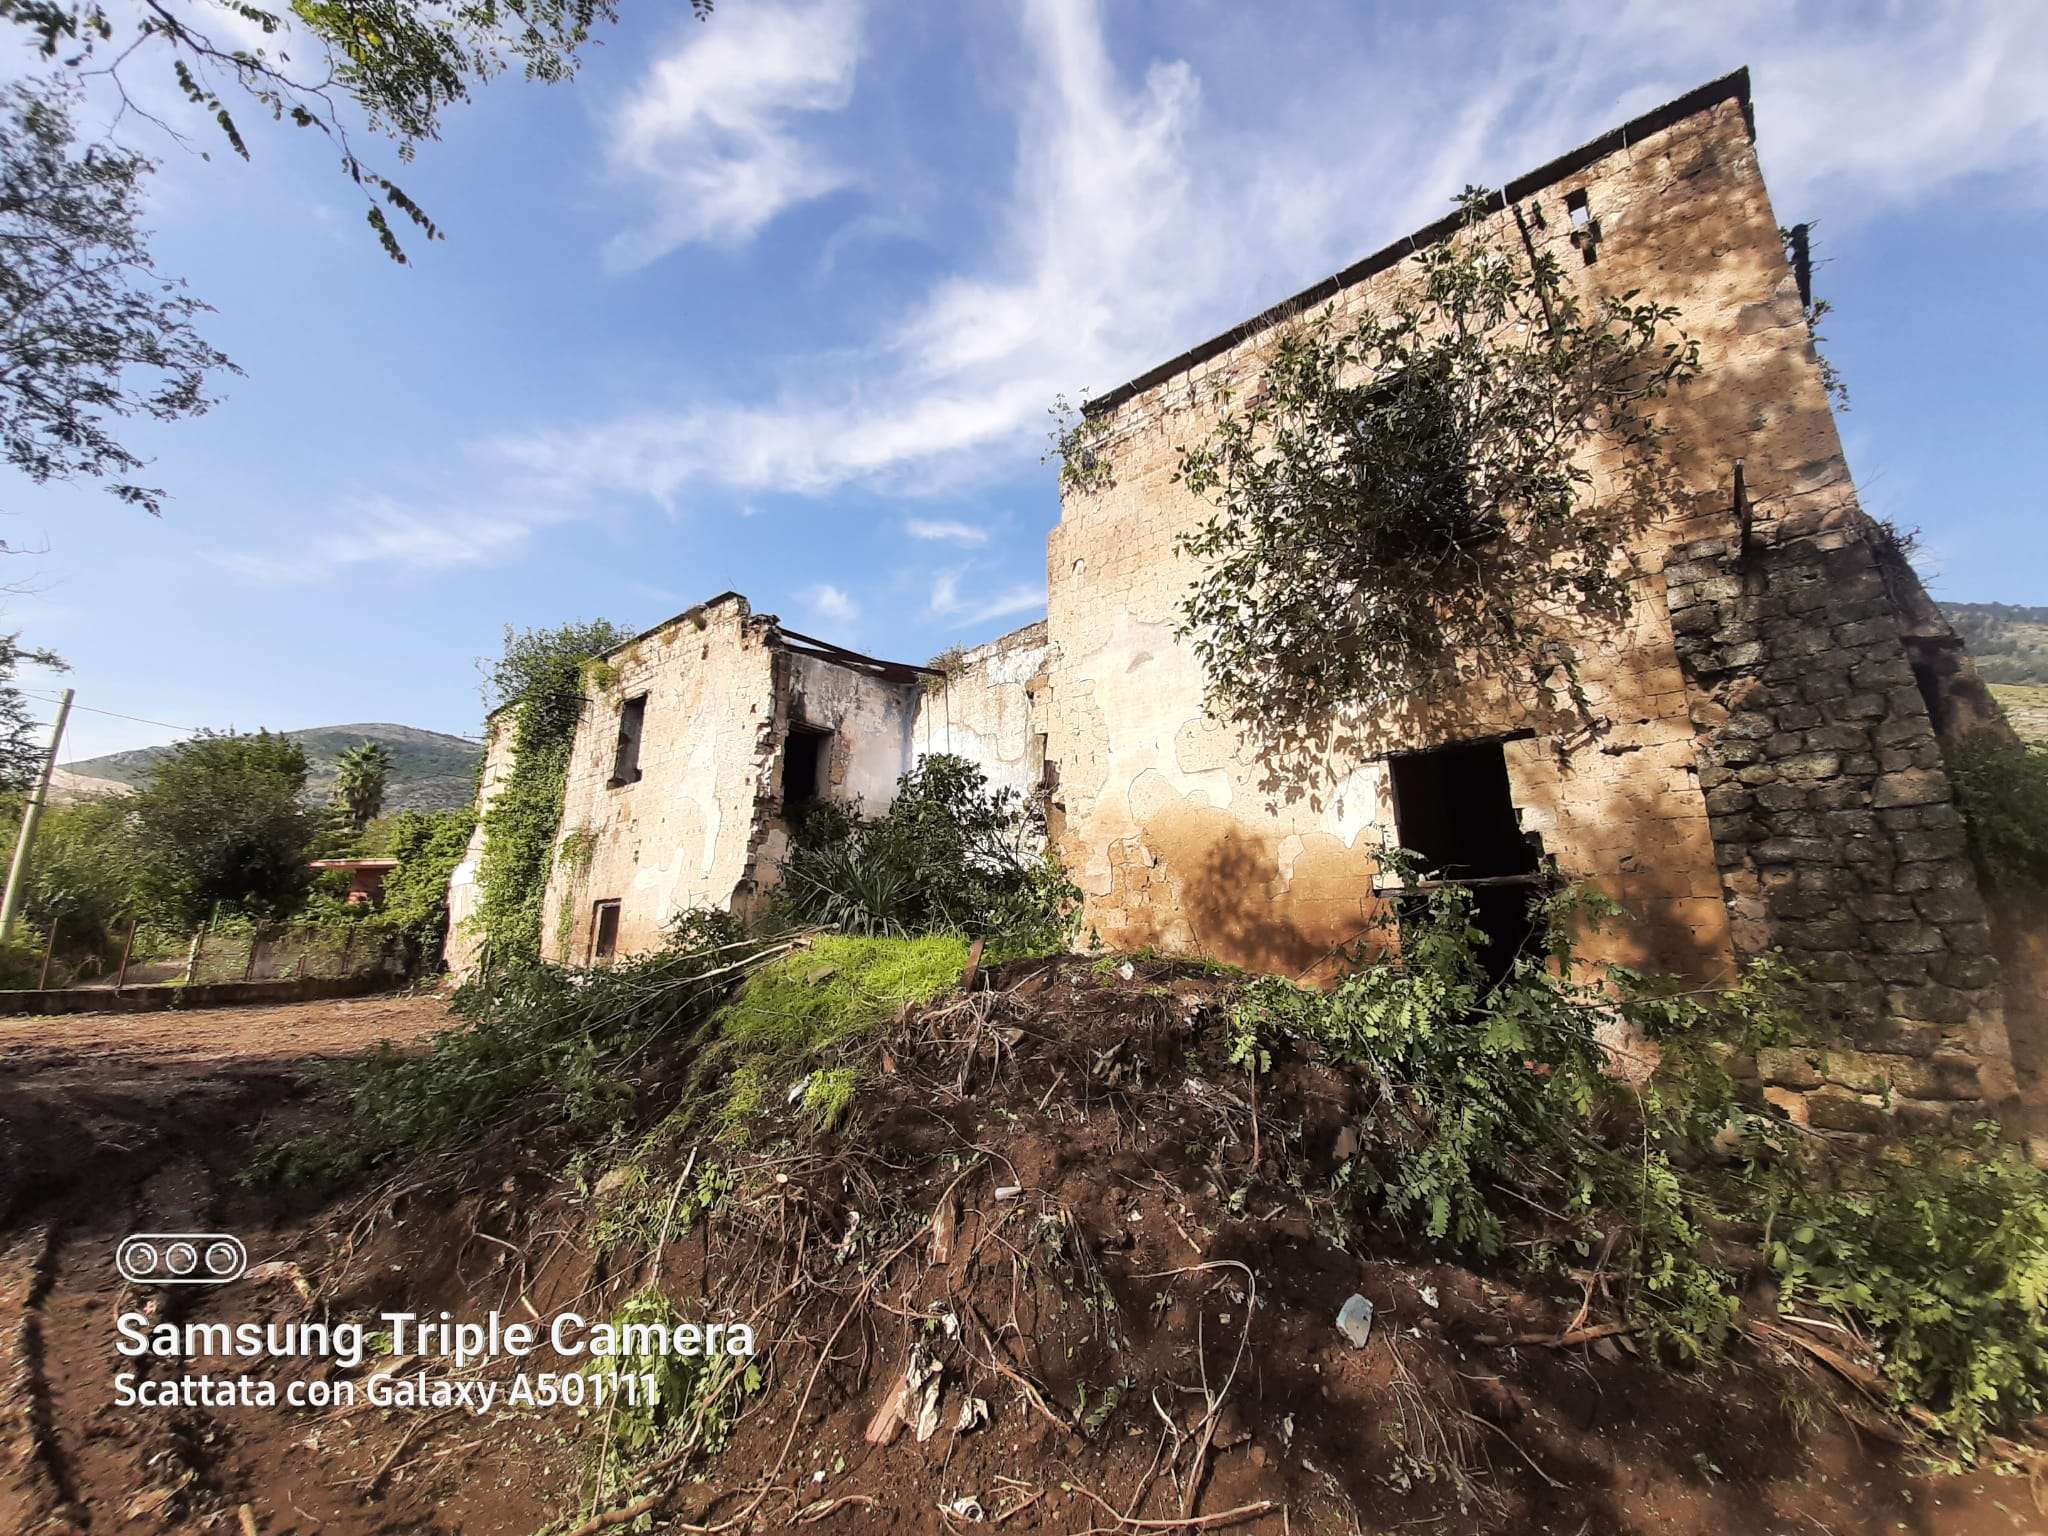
<point x="428" y="845"/>
<point x="546" y="1035"/>
<point x="1940" y="1251"/>
<point x="2001" y="788"/>
<point x="1484" y="1097"/>
<point x="950" y="855"/>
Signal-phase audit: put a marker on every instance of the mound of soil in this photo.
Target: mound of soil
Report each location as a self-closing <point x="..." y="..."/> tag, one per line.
<point x="1061" y="1270"/>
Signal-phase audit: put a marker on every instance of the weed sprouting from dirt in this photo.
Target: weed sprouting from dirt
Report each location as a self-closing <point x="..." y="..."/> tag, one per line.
<point x="679" y="1401"/>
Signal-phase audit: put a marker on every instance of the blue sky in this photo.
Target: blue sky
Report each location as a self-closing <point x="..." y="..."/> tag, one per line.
<point x="779" y="302"/>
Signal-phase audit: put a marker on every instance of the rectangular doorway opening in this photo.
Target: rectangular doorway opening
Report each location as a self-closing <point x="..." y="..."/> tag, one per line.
<point x="604" y="931"/>
<point x="803" y="766"/>
<point x="1452" y="806"/>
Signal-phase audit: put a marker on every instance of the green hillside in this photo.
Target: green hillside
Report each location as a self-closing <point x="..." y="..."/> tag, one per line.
<point x="430" y="771"/>
<point x="2008" y="642"/>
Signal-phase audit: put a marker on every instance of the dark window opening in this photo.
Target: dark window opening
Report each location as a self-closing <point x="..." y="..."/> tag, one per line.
<point x="1453" y="807"/>
<point x="604" y="931"/>
<point x="803" y="765"/>
<point x="626" y="756"/>
<point x="1585" y="228"/>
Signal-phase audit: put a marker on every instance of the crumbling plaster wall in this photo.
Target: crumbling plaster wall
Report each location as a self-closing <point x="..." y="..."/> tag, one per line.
<point x="685" y="834"/>
<point x="871" y="720"/>
<point x="462" y="948"/>
<point x="1757" y="748"/>
<point x="1179" y="836"/>
<point x="986" y="709"/>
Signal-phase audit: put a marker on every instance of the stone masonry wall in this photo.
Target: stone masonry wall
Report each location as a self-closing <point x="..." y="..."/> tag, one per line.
<point x="1177" y="831"/>
<point x="1833" y="824"/>
<point x="1758" y="768"/>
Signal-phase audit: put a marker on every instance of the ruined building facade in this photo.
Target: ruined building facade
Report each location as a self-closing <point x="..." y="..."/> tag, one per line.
<point x="1758" y="763"/>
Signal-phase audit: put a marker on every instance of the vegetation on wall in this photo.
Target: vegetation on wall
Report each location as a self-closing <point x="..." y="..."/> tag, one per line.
<point x="540" y="675"/>
<point x="1402" y="496"/>
<point x="2001" y="788"/>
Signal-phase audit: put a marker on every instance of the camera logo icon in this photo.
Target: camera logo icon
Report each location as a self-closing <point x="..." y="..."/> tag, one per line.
<point x="180" y="1258"/>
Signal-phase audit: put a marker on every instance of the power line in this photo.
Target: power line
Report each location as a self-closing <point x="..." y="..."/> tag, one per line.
<point x="115" y="714"/>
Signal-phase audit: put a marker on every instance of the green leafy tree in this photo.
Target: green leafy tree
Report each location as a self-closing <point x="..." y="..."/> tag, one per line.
<point x="84" y="874"/>
<point x="222" y="823"/>
<point x="362" y="775"/>
<point x="89" y="333"/>
<point x="21" y="752"/>
<point x="389" y="66"/>
<point x="540" y="674"/>
<point x="428" y="845"/>
<point x="1404" y="496"/>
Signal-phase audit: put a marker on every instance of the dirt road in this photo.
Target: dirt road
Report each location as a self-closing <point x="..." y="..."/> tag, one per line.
<point x="112" y="1123"/>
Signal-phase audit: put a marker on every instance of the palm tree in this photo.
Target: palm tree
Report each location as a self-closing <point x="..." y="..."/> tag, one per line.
<point x="361" y="775"/>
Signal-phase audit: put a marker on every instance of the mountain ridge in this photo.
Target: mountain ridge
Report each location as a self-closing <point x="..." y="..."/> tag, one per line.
<point x="430" y="770"/>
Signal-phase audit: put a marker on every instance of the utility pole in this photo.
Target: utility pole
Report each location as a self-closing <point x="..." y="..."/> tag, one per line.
<point x="31" y="813"/>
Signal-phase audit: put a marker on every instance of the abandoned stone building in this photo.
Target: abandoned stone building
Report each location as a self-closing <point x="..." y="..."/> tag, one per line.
<point x="1759" y="763"/>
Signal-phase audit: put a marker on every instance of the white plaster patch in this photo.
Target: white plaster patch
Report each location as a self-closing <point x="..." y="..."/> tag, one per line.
<point x="1354" y="804"/>
<point x="1290" y="849"/>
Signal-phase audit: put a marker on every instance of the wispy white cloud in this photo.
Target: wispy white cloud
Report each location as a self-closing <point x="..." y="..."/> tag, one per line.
<point x="1140" y="220"/>
<point x="944" y="531"/>
<point x="379" y="531"/>
<point x="711" y="135"/>
<point x="960" y="608"/>
<point x="830" y="602"/>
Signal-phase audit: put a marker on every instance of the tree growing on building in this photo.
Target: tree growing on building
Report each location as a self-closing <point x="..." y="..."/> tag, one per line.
<point x="1405" y="497"/>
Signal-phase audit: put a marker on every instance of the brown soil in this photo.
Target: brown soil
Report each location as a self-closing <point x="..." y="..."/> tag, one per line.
<point x="1134" y="1286"/>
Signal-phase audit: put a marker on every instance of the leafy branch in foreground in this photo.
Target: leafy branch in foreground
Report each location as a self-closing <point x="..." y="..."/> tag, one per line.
<point x="88" y="330"/>
<point x="1494" y="1110"/>
<point x="1406" y="495"/>
<point x="394" y="64"/>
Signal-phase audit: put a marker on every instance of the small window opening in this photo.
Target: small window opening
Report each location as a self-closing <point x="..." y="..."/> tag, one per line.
<point x="604" y="931"/>
<point x="626" y="756"/>
<point x="803" y="765"/>
<point x="1453" y="807"/>
<point x="1585" y="228"/>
